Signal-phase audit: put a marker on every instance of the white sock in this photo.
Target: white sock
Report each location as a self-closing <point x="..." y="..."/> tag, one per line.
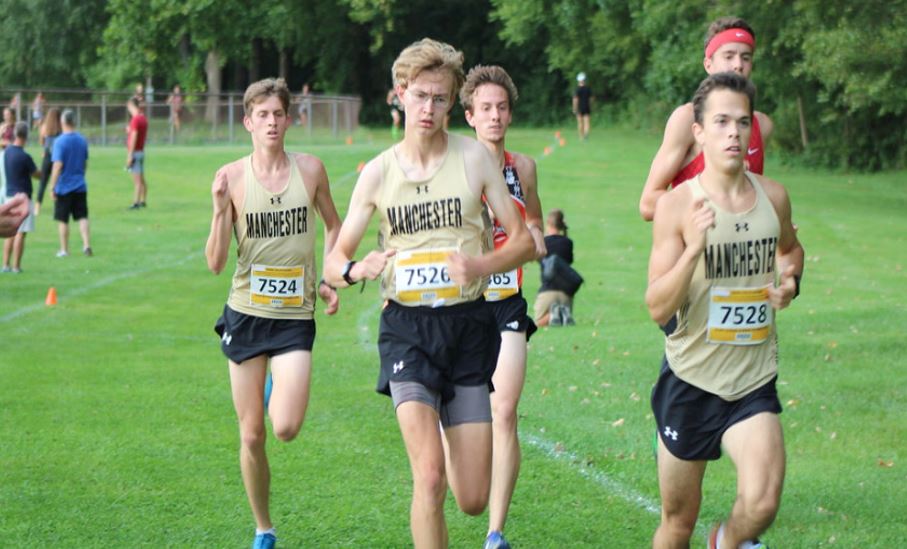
<point x="719" y="536"/>
<point x="268" y="531"/>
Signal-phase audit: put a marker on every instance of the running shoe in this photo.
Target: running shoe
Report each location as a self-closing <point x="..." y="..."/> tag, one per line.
<point x="62" y="253"/>
<point x="6" y="269"/>
<point x="87" y="251"/>
<point x="713" y="541"/>
<point x="495" y="540"/>
<point x="264" y="541"/>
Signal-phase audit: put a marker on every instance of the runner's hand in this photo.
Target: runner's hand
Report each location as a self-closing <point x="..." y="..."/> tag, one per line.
<point x="220" y="192"/>
<point x="700" y="218"/>
<point x="329" y="296"/>
<point x="461" y="268"/>
<point x="372" y="265"/>
<point x="780" y="296"/>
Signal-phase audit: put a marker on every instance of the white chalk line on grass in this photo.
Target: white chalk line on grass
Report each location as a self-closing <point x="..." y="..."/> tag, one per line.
<point x="575" y="462"/>
<point x="75" y="292"/>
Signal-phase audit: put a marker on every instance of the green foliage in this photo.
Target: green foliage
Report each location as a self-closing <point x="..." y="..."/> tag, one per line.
<point x="49" y="43"/>
<point x="845" y="62"/>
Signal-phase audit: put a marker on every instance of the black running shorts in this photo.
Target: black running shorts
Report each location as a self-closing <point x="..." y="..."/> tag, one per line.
<point x="511" y="315"/>
<point x="71" y="204"/>
<point x="438" y="347"/>
<point x="691" y="422"/>
<point x="245" y="336"/>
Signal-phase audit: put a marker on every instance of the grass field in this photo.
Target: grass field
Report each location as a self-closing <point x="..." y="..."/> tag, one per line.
<point x="117" y="428"/>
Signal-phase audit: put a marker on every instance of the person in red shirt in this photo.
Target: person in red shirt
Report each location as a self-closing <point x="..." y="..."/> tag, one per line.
<point x="729" y="47"/>
<point x="135" y="151"/>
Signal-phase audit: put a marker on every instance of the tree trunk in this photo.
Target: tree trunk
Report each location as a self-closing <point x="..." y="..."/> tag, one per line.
<point x="255" y="60"/>
<point x="804" y="138"/>
<point x="212" y="73"/>
<point x="284" y="63"/>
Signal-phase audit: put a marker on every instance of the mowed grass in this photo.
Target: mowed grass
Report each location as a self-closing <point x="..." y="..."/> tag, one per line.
<point x="117" y="428"/>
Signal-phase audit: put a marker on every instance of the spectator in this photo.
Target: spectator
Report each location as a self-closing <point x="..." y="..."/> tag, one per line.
<point x="560" y="282"/>
<point x="67" y="179"/>
<point x="50" y="130"/>
<point x="19" y="168"/>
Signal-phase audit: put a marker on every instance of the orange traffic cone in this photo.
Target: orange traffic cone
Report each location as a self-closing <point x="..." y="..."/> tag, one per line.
<point x="51" y="298"/>
<point x="360" y="167"/>
<point x="349" y="140"/>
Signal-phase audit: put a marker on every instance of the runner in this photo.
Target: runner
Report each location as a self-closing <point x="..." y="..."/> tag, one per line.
<point x="719" y="242"/>
<point x="487" y="97"/>
<point x="267" y="199"/>
<point x="729" y="46"/>
<point x="438" y="340"/>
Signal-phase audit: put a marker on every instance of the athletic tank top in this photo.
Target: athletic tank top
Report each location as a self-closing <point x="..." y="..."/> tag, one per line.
<point x="425" y="221"/>
<point x="725" y="341"/>
<point x="504" y="285"/>
<point x="755" y="158"/>
<point x="275" y="233"/>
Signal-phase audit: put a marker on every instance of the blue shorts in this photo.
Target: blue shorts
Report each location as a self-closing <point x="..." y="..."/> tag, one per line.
<point x="138" y="162"/>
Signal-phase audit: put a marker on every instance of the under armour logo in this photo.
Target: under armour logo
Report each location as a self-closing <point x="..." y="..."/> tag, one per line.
<point x="275" y="200"/>
<point x="398" y="366"/>
<point x="742" y="227"/>
<point x="226" y="338"/>
<point x="513" y="325"/>
<point x="422" y="189"/>
<point x="670" y="433"/>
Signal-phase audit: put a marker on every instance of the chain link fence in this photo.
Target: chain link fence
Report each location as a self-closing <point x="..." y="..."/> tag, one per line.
<point x="203" y="118"/>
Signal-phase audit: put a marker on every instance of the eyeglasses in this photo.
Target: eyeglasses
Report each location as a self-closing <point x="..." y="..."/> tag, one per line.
<point x="440" y="101"/>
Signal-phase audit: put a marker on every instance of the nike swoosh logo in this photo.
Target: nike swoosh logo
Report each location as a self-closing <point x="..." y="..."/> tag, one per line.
<point x="752" y="151"/>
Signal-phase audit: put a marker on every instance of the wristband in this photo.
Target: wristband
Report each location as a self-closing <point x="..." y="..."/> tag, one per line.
<point x="346" y="272"/>
<point x="322" y="281"/>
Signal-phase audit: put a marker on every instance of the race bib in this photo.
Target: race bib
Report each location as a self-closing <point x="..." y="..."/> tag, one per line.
<point x="277" y="286"/>
<point x="502" y="285"/>
<point x="422" y="277"/>
<point x="739" y="316"/>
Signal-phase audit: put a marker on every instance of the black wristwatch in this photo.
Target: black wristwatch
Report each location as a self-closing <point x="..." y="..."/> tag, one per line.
<point x="346" y="272"/>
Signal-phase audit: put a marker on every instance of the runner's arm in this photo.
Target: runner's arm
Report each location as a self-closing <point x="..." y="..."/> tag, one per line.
<point x="358" y="215"/>
<point x="221" y="223"/>
<point x="529" y="182"/>
<point x="790" y="253"/>
<point x="668" y="161"/>
<point x="519" y="248"/>
<point x="678" y="239"/>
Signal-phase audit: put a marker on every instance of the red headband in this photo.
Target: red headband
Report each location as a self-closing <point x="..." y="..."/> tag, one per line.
<point x="727" y="36"/>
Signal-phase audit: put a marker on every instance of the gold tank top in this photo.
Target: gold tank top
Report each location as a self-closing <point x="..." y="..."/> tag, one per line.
<point x="725" y="341"/>
<point x="425" y="221"/>
<point x="275" y="233"/>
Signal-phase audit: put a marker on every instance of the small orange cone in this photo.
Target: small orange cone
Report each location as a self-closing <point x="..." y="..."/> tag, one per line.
<point x="557" y="134"/>
<point x="349" y="140"/>
<point x="360" y="167"/>
<point x="51" y="298"/>
<point x="563" y="142"/>
<point x="547" y="151"/>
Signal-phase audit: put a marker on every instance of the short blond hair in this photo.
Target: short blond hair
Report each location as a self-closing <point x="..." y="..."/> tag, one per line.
<point x="428" y="55"/>
<point x="263" y="89"/>
<point x="481" y="75"/>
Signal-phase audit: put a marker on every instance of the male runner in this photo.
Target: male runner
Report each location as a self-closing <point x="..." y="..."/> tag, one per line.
<point x="438" y="340"/>
<point x="487" y="97"/>
<point x="729" y="46"/>
<point x="267" y="199"/>
<point x="719" y="243"/>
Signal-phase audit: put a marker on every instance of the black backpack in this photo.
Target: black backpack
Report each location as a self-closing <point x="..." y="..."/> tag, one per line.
<point x="557" y="274"/>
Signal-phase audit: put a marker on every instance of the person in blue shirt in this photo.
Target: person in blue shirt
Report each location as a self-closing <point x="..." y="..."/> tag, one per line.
<point x="19" y="168"/>
<point x="67" y="181"/>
